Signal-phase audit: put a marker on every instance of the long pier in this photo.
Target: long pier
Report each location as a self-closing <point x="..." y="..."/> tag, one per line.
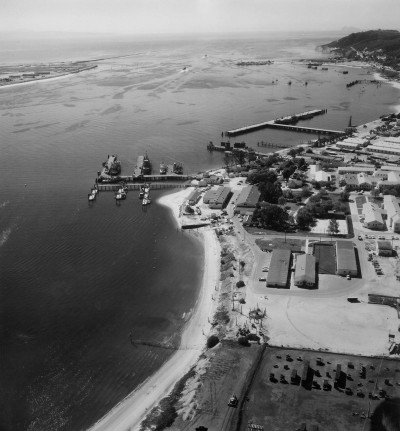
<point x="289" y="127"/>
<point x="136" y="186"/>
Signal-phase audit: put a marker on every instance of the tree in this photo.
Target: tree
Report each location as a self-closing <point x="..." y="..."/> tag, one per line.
<point x="342" y="183"/>
<point x="281" y="201"/>
<point x="272" y="217"/>
<point x="240" y="156"/>
<point x="305" y="219"/>
<point x="344" y="196"/>
<point x="270" y="192"/>
<point x="333" y="227"/>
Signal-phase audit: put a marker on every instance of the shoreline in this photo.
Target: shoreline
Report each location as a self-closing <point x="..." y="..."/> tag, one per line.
<point x="129" y="413"/>
<point x="49" y="78"/>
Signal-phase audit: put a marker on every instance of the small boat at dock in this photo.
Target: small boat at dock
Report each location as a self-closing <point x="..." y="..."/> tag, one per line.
<point x="120" y="196"/>
<point x="163" y="168"/>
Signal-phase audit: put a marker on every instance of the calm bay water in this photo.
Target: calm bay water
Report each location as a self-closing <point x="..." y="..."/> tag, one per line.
<point x="77" y="280"/>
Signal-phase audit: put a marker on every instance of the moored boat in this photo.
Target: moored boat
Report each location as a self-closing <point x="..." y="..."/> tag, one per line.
<point x="146" y="167"/>
<point x="163" y="168"/>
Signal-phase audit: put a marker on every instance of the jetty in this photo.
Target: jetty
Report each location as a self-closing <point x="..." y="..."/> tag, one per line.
<point x="287" y="123"/>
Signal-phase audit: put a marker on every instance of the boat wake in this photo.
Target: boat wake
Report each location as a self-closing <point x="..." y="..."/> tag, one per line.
<point x="4" y="204"/>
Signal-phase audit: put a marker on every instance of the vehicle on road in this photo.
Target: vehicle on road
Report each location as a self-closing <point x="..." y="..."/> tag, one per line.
<point x="348" y="277"/>
<point x="233" y="401"/>
<point x="360" y="237"/>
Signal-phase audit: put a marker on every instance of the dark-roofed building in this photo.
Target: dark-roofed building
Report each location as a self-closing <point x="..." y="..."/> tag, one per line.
<point x="194" y="196"/>
<point x="385" y="248"/>
<point x="279" y="267"/>
<point x="216" y="198"/>
<point x="304" y="275"/>
<point x="346" y="263"/>
<point x="248" y="197"/>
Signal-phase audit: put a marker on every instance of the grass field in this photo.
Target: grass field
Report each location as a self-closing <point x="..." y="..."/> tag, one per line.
<point x="283" y="406"/>
<point x="326" y="258"/>
<point x="295" y="245"/>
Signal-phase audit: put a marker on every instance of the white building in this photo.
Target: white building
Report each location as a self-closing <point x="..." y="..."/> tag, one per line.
<point x="372" y="217"/>
<point x="392" y="207"/>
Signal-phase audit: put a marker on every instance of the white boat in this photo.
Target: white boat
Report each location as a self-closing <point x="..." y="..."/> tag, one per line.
<point x="146" y="201"/>
<point x="91" y="197"/>
<point x="120" y="196"/>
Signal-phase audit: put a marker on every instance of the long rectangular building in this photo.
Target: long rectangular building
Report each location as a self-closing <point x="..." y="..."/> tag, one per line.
<point x="279" y="268"/>
<point x="304" y="275"/>
<point x="346" y="263"/>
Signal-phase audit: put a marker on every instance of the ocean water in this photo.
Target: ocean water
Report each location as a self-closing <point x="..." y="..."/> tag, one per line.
<point x="78" y="280"/>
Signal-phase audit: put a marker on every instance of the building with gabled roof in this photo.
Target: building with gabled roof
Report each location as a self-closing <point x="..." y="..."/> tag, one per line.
<point x="346" y="263"/>
<point x="392" y="207"/>
<point x="385" y="248"/>
<point x="304" y="275"/>
<point x="372" y="217"/>
<point x="248" y="197"/>
<point x="279" y="267"/>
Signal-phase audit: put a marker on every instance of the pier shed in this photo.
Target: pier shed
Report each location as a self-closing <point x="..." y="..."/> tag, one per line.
<point x="278" y="274"/>
<point x="346" y="263"/>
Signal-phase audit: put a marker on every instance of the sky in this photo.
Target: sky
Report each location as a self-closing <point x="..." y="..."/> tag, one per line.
<point x="196" y="16"/>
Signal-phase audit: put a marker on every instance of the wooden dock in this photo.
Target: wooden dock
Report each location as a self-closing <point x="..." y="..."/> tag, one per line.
<point x="136" y="186"/>
<point x="289" y="127"/>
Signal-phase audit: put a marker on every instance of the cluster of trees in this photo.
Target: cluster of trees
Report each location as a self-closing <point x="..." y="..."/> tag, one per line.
<point x="272" y="217"/>
<point x="268" y="184"/>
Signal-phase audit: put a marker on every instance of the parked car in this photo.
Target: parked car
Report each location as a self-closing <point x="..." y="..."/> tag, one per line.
<point x="348" y="277"/>
<point x="360" y="237"/>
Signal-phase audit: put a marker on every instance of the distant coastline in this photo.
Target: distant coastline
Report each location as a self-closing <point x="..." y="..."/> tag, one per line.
<point x="27" y="74"/>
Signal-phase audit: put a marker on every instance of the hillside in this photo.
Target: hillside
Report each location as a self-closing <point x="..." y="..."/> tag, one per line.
<point x="382" y="46"/>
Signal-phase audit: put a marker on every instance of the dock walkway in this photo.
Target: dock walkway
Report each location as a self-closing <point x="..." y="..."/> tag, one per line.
<point x="290" y="127"/>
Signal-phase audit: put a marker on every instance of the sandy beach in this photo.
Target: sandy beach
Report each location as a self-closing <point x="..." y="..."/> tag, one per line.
<point x="129" y="413"/>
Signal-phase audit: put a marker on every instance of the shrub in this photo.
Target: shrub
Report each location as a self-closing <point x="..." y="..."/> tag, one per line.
<point x="243" y="341"/>
<point x="253" y="337"/>
<point x="212" y="341"/>
<point x="240" y="283"/>
<point x="242" y="301"/>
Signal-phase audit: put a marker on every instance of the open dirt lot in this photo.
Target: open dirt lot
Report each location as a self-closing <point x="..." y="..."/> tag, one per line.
<point x="325" y="257"/>
<point x="284" y="406"/>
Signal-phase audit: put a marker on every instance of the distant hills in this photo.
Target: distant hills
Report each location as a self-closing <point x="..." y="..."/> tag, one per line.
<point x="381" y="46"/>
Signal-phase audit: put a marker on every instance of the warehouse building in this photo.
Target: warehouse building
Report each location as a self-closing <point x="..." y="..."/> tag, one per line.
<point x="346" y="263"/>
<point x="248" y="197"/>
<point x="216" y="198"/>
<point x="278" y="275"/>
<point x="194" y="197"/>
<point x="304" y="275"/>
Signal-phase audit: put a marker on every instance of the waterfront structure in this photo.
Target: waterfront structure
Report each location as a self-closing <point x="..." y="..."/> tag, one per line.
<point x="346" y="263"/>
<point x="372" y="217"/>
<point x="278" y="275"/>
<point x="304" y="275"/>
<point x="216" y="198"/>
<point x="392" y="206"/>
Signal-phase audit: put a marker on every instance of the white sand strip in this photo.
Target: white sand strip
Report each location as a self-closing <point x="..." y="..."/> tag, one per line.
<point x="129" y="413"/>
